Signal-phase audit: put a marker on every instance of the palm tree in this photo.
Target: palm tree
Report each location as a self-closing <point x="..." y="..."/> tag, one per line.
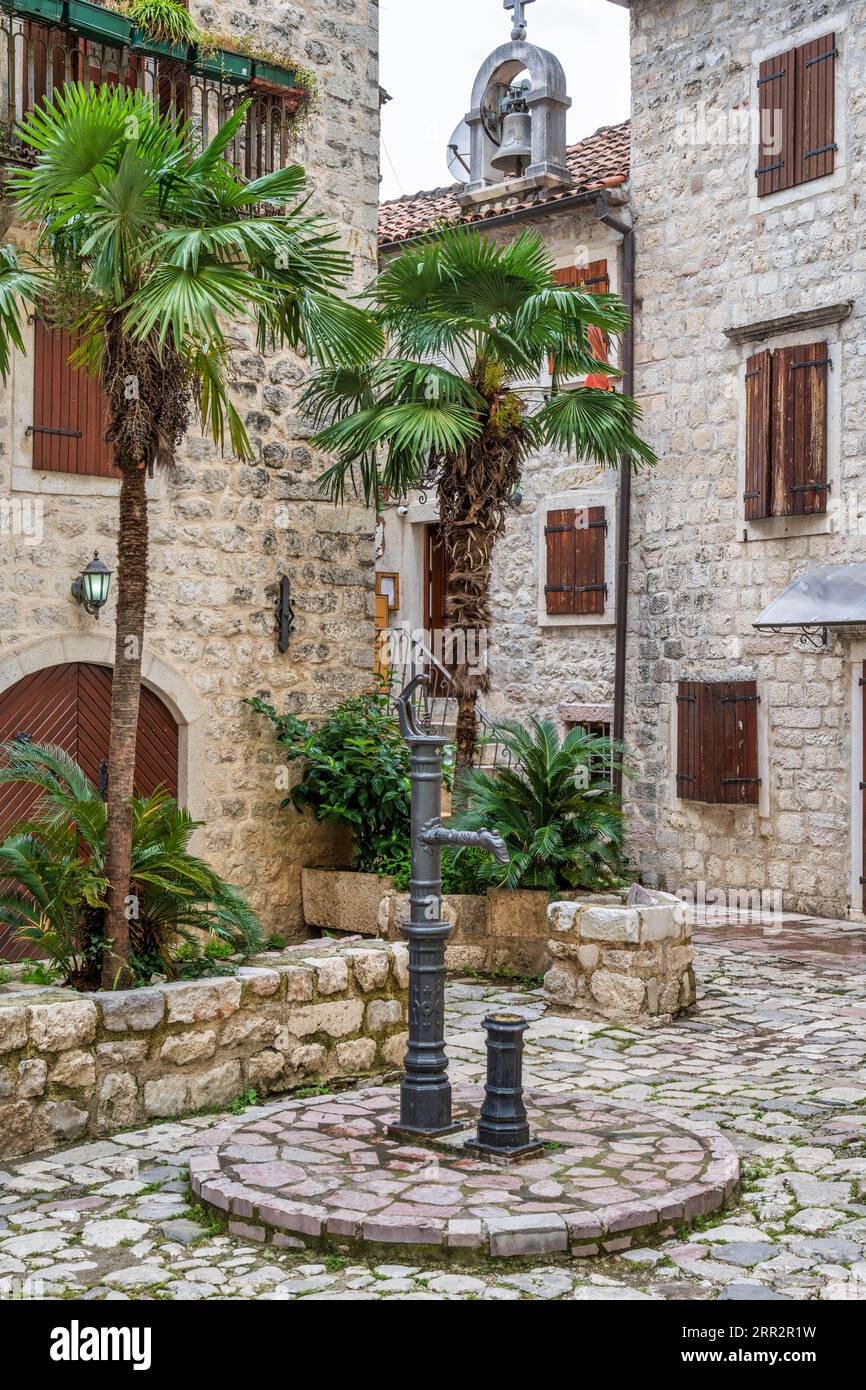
<point x="151" y="246"/>
<point x="470" y="324"/>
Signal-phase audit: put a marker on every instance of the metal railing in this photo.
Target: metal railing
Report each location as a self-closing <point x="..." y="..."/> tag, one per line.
<point x="435" y="703"/>
<point x="35" y="60"/>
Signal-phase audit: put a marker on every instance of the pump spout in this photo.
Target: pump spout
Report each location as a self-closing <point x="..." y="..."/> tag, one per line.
<point x="436" y="834"/>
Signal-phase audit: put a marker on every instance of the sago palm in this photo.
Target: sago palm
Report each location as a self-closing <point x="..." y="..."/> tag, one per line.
<point x="554" y="807"/>
<point x="150" y="247"/>
<point x="57" y="865"/>
<point x="456" y="404"/>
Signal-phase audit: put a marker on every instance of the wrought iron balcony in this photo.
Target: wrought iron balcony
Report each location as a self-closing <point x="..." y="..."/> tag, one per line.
<point x="45" y="44"/>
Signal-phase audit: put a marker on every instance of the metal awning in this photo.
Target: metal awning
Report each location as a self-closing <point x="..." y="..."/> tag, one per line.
<point x="831" y="596"/>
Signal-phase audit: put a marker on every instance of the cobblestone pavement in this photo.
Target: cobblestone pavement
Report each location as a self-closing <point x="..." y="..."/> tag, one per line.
<point x="776" y="1056"/>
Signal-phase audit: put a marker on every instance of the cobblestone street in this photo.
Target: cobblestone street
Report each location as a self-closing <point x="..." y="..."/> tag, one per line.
<point x="775" y="1056"/>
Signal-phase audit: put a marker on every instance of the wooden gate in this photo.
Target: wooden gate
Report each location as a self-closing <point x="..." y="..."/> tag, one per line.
<point x="70" y="706"/>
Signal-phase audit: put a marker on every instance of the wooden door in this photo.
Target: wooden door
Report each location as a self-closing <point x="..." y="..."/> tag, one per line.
<point x="70" y="706"/>
<point x="436" y="619"/>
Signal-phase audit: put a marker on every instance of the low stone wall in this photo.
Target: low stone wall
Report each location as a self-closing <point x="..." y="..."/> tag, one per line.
<point x="500" y="931"/>
<point x="629" y="964"/>
<point x="342" y="900"/>
<point x="75" y="1065"/>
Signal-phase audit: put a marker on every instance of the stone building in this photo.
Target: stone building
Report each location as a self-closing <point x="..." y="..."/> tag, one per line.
<point x="747" y="183"/>
<point x="551" y="654"/>
<point x="744" y="188"/>
<point x="222" y="534"/>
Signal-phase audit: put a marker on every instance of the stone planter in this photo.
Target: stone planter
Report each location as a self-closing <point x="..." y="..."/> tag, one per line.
<point x="343" y="901"/>
<point x="627" y="964"/>
<point x="74" y="1066"/>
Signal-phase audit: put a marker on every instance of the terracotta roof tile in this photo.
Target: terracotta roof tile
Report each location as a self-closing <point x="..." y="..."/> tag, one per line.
<point x="599" y="161"/>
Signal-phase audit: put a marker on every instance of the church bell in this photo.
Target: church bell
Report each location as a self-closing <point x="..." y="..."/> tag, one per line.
<point x="515" y="150"/>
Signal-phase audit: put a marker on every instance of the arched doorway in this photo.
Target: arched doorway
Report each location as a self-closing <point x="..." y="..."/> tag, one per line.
<point x="70" y="705"/>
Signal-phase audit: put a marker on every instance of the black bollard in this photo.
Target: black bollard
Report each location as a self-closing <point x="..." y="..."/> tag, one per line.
<point x="503" y="1126"/>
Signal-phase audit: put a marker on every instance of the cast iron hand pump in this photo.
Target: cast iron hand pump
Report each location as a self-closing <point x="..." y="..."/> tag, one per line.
<point x="425" y="1092"/>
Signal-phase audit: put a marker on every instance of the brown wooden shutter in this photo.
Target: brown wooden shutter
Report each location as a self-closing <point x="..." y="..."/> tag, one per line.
<point x="815" y="143"/>
<point x="559" y="535"/>
<point x="590" y="534"/>
<point x="69" y="418"/>
<point x="777" y="108"/>
<point x="799" y="428"/>
<point x="594" y="279"/>
<point x="736" y="715"/>
<point x="759" y="375"/>
<point x="688" y="740"/>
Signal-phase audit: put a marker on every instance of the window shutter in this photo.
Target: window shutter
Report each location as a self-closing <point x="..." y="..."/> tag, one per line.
<point x="759" y="375"/>
<point x="776" y="104"/>
<point x="736" y="704"/>
<point x="799" y="395"/>
<point x="688" y="740"/>
<point x="717" y="742"/>
<point x="594" y="279"/>
<point x="69" y="419"/>
<point x="590" y="535"/>
<point x="559" y="535"/>
<point x="816" y="109"/>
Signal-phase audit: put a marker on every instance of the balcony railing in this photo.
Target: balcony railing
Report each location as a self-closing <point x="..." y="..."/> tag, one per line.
<point x="36" y="57"/>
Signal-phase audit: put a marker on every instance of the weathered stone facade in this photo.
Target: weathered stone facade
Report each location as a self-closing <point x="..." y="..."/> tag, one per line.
<point x="76" y="1065"/>
<point x="711" y="256"/>
<point x="222" y="533"/>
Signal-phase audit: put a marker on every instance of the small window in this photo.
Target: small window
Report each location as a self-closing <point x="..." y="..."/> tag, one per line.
<point x="786" y="432"/>
<point x="596" y="728"/>
<point x="575" y="542"/>
<point x="593" y="279"/>
<point x="797" y="104"/>
<point x="717" y="742"/>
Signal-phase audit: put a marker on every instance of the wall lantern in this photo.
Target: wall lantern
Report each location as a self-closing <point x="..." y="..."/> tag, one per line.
<point x="91" y="587"/>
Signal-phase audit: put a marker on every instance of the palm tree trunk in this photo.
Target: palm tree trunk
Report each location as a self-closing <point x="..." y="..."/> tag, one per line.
<point x="467" y="730"/>
<point x="125" y="696"/>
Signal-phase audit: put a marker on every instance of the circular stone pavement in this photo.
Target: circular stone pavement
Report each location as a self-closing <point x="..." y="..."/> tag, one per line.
<point x="324" y="1171"/>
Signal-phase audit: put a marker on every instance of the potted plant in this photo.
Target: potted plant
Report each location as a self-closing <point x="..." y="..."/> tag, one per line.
<point x="109" y="26"/>
<point x="221" y="63"/>
<point x="275" y="76"/>
<point x="162" y="28"/>
<point x="42" y="9"/>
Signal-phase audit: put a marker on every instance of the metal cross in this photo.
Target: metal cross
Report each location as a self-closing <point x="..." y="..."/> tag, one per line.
<point x="519" y="30"/>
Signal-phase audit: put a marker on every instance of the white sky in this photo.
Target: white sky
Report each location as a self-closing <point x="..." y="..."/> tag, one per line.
<point x="431" y="51"/>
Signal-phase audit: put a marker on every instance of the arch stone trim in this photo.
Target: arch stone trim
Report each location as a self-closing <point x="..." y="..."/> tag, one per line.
<point x="185" y="705"/>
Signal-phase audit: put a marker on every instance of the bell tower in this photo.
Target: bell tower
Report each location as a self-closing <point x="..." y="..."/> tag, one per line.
<point x="516" y="123"/>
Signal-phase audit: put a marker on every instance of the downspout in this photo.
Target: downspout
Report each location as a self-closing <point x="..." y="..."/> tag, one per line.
<point x="623" y="530"/>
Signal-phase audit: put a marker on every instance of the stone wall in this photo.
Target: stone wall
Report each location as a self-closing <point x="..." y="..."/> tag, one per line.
<point x="222" y="533"/>
<point x="629" y="964"/>
<point x="75" y="1065"/>
<point x="711" y="256"/>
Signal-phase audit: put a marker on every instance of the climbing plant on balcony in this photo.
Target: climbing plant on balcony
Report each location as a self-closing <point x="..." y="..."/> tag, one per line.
<point x="150" y="247"/>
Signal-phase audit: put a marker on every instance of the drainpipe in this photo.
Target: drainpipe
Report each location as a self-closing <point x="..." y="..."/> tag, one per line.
<point x="623" y="534"/>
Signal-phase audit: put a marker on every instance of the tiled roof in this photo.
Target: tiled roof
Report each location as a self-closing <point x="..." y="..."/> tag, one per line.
<point x="599" y="161"/>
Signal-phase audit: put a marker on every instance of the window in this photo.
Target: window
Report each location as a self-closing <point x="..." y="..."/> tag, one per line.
<point x="69" y="417"/>
<point x="575" y="540"/>
<point x="594" y="279"/>
<point x="717" y="742"/>
<point x="602" y="766"/>
<point x="797" y="103"/>
<point x="786" y="432"/>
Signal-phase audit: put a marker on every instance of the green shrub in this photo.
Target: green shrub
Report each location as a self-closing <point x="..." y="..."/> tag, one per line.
<point x="554" y="807"/>
<point x="57" y="861"/>
<point x="355" y="773"/>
